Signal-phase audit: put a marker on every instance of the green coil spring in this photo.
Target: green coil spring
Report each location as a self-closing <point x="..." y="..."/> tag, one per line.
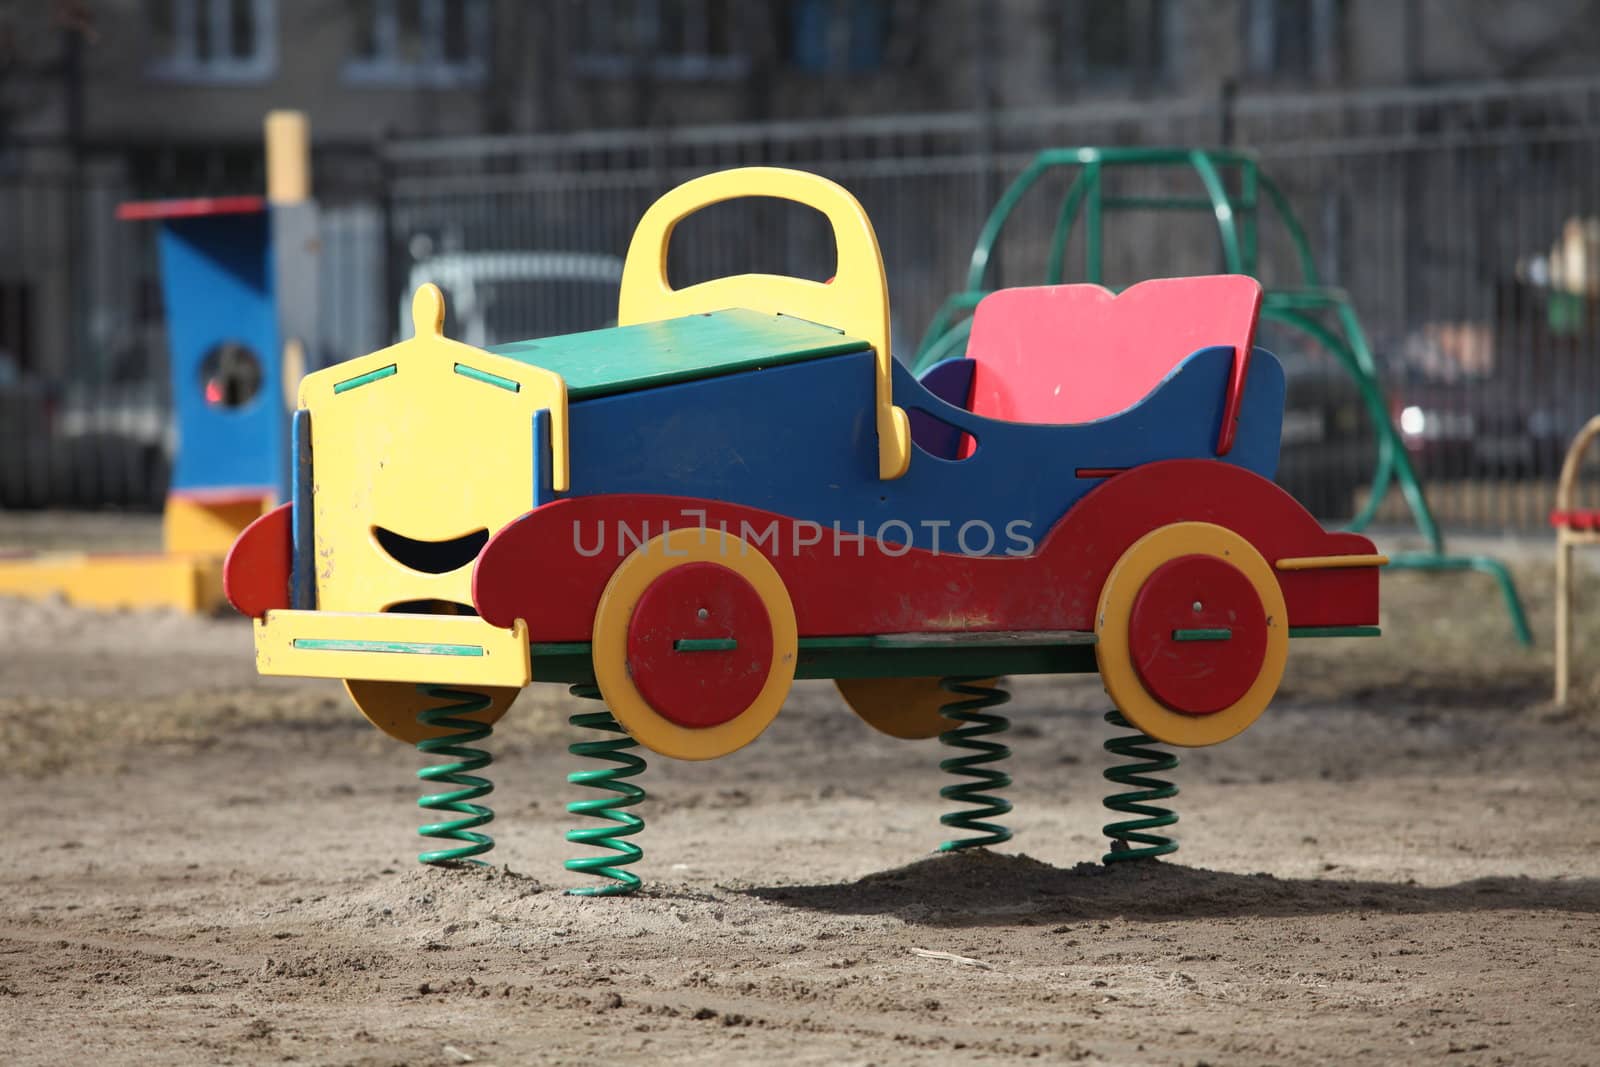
<point x="976" y="724"/>
<point x="456" y="745"/>
<point x="1131" y="838"/>
<point x="622" y="794"/>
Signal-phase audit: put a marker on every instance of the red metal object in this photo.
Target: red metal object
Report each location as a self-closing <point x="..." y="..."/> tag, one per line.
<point x="699" y="687"/>
<point x="1575" y="520"/>
<point x="842" y="585"/>
<point x="1185" y="597"/>
<point x="256" y="573"/>
<point x="1076" y="353"/>
<point x="195" y="207"/>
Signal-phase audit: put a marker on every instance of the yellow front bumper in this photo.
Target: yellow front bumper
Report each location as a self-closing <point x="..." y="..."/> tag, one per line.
<point x="390" y="647"/>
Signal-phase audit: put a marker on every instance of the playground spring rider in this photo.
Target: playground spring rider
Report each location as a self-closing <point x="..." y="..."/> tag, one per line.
<point x="737" y="487"/>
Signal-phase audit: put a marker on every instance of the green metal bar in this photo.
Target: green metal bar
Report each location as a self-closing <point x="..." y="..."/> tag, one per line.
<point x="1247" y="208"/>
<point x="882" y="656"/>
<point x="559" y="648"/>
<point x="944" y="321"/>
<point x="565" y="667"/>
<point x="853" y="641"/>
<point x="1429" y="561"/>
<point x="1221" y="208"/>
<point x="320" y="644"/>
<point x="1221" y="633"/>
<point x="950" y="345"/>
<point x="1288" y="307"/>
<point x="1088" y="186"/>
<point x="1335" y="631"/>
<point x="1383" y="468"/>
<point x="1395" y="453"/>
<point x="1382" y="477"/>
<point x="978" y="268"/>
<point x="705" y="644"/>
<point x="1057" y="265"/>
<point x="1093" y="260"/>
<point x="1156" y="156"/>
<point x="488" y="379"/>
<point x="864" y="657"/>
<point x="1393" y="460"/>
<point x="1240" y="254"/>
<point x="1392" y="456"/>
<point x="1087" y="157"/>
<point x="1308" y="263"/>
<point x="1324" y="298"/>
<point x="928" y="661"/>
<point x="365" y="379"/>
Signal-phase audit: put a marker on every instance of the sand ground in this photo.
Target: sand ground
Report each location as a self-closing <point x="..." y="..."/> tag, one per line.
<point x="1400" y="863"/>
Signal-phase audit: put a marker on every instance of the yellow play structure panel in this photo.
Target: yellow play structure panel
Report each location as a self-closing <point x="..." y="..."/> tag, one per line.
<point x="150" y="580"/>
<point x="413" y="468"/>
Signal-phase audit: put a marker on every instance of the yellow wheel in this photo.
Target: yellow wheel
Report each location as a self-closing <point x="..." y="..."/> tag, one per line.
<point x="1192" y="634"/>
<point x="695" y="644"/>
<point x="907" y="708"/>
<point x="393" y="706"/>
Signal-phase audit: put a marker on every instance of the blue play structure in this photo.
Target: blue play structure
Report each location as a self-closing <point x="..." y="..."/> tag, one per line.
<point x="224" y="339"/>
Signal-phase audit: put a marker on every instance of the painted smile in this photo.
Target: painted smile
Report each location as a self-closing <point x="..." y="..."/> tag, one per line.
<point x="432" y="557"/>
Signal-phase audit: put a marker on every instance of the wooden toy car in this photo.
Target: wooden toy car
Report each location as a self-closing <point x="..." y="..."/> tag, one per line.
<point x="725" y="493"/>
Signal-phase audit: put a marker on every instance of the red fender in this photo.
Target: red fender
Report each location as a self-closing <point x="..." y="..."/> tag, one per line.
<point x="1133" y="503"/>
<point x="256" y="574"/>
<point x="549" y="567"/>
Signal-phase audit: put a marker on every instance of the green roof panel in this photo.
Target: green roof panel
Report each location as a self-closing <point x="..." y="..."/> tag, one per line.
<point x="625" y="358"/>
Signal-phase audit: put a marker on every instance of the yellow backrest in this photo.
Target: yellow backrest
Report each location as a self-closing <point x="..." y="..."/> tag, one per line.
<point x="856" y="301"/>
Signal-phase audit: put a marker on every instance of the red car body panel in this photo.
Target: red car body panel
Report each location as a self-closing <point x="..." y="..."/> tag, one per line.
<point x="550" y="567"/>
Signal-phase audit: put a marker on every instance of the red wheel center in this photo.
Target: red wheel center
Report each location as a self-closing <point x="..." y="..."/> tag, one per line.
<point x="700" y="645"/>
<point x="1197" y="634"/>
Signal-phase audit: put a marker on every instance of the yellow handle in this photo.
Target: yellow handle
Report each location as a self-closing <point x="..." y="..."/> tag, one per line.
<point x="856" y="301"/>
<point x="1568" y="482"/>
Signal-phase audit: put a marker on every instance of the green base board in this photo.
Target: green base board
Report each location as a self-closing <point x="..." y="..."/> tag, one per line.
<point x="912" y="655"/>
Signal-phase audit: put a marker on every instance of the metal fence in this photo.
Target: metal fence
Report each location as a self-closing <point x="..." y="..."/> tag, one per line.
<point x="1464" y="222"/>
<point x="85" y="404"/>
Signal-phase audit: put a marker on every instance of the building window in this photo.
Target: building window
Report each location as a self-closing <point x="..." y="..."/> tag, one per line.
<point x="213" y="40"/>
<point x="837" y="36"/>
<point x="680" y="40"/>
<point x="1291" y="39"/>
<point x="409" y="43"/>
<point x="1114" y="42"/>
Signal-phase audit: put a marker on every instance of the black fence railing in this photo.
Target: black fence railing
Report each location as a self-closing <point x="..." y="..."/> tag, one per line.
<point x="85" y="404"/>
<point x="1464" y="222"/>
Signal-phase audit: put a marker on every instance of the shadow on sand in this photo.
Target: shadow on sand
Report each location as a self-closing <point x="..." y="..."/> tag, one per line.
<point x="1489" y="692"/>
<point x="980" y="888"/>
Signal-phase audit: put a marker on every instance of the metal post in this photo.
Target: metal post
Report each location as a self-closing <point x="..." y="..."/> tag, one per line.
<point x="72" y="218"/>
<point x="392" y="264"/>
<point x="984" y="104"/>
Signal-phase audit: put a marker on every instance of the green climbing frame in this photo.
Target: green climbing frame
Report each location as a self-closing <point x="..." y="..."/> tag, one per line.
<point x="1321" y="312"/>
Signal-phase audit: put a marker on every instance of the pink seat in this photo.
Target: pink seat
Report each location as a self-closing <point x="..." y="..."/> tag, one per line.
<point x="1076" y="353"/>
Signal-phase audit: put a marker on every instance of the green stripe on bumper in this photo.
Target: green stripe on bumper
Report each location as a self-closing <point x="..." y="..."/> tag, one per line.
<point x="317" y="644"/>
